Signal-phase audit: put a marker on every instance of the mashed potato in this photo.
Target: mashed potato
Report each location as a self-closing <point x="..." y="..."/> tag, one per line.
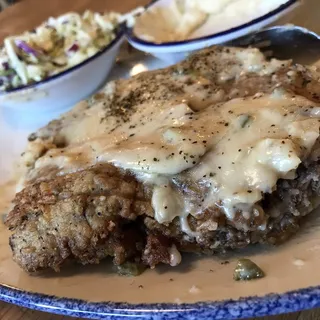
<point x="185" y="19"/>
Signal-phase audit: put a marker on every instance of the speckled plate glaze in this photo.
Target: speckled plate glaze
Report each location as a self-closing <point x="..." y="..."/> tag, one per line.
<point x="200" y="288"/>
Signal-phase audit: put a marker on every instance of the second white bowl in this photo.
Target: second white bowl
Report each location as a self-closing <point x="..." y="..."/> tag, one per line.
<point x="174" y="52"/>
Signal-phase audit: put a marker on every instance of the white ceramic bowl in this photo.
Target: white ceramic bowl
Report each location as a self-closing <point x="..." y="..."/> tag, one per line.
<point x="174" y="52"/>
<point x="39" y="102"/>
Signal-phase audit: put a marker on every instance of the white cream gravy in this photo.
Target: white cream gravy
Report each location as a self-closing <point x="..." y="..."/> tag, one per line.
<point x="236" y="150"/>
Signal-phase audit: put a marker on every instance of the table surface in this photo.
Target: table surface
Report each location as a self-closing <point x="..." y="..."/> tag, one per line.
<point x="29" y="13"/>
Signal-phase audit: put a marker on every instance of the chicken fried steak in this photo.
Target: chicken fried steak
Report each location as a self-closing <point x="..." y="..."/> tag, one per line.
<point x="215" y="153"/>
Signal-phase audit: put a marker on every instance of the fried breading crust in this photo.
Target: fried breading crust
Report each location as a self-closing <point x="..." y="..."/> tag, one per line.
<point x="103" y="211"/>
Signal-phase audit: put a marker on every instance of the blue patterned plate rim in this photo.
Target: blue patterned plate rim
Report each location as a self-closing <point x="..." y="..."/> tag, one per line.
<point x="270" y="304"/>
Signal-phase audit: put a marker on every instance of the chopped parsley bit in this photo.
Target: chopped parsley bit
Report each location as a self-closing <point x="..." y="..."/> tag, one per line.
<point x="249" y="191"/>
<point x="131" y="135"/>
<point x="211" y="174"/>
<point x="219" y="167"/>
<point x="239" y="150"/>
<point x="166" y="207"/>
<point x="156" y="160"/>
<point x="226" y="124"/>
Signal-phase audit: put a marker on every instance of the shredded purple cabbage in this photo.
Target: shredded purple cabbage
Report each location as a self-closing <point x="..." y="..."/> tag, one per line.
<point x="5" y="65"/>
<point x="25" y="47"/>
<point x="73" y="48"/>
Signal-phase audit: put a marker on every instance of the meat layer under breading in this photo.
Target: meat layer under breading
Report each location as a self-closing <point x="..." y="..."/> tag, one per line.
<point x="103" y="211"/>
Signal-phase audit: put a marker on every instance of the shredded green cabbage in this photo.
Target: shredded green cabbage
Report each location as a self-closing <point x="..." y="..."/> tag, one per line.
<point x="56" y="45"/>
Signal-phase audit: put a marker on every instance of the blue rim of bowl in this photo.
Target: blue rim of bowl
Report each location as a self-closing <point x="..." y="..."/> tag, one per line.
<point x="118" y="37"/>
<point x="131" y="37"/>
<point x="270" y="304"/>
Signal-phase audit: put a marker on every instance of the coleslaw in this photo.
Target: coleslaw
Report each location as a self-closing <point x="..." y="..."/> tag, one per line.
<point x="56" y="45"/>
